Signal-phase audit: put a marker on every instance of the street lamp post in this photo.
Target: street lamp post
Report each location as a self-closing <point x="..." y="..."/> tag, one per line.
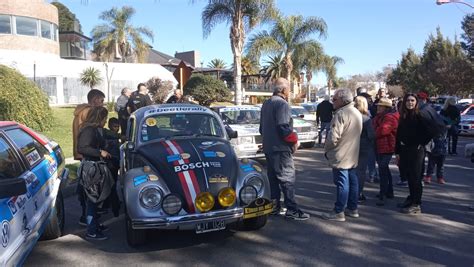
<point x="441" y="2"/>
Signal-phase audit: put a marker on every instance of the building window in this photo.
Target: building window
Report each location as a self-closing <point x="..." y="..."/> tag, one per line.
<point x="55" y="33"/>
<point x="5" y="24"/>
<point x="45" y="29"/>
<point x="26" y="26"/>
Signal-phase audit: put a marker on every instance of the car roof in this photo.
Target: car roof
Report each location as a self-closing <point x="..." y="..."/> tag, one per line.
<point x="7" y="123"/>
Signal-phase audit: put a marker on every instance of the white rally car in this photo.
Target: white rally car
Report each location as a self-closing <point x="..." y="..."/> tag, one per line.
<point x="245" y="120"/>
<point x="307" y="132"/>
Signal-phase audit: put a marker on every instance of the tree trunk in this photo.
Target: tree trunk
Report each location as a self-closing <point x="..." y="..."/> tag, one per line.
<point x="237" y="37"/>
<point x="289" y="70"/>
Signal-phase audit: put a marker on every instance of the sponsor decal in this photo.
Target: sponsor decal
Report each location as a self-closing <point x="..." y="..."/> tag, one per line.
<point x="177" y="109"/>
<point x="257" y="168"/>
<point x="238" y="108"/>
<point x="191" y="166"/>
<point x="174" y="157"/>
<point x="140" y="180"/>
<point x="220" y="154"/>
<point x="185" y="155"/>
<point x="218" y="178"/>
<point x="20" y="202"/>
<point x="208" y="144"/>
<point x="247" y="168"/>
<point x="210" y="154"/>
<point x="215" y="164"/>
<point x="12" y="206"/>
<point x="258" y="207"/>
<point x="5" y="233"/>
<point x="150" y="122"/>
<point x="33" y="157"/>
<point x="153" y="177"/>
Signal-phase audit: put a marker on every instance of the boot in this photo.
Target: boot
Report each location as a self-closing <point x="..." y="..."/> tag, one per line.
<point x="427" y="179"/>
<point x="441" y="180"/>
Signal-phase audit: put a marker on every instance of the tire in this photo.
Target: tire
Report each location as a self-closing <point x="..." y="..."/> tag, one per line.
<point x="55" y="226"/>
<point x="308" y="145"/>
<point x="254" y="223"/>
<point x="134" y="237"/>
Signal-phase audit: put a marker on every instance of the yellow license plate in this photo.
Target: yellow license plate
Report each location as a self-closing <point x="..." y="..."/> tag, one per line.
<point x="258" y="207"/>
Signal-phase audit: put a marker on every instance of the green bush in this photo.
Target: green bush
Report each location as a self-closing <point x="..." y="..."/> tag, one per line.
<point x="206" y="89"/>
<point x="22" y="101"/>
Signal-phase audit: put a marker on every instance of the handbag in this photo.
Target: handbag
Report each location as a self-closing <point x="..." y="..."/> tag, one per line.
<point x="96" y="179"/>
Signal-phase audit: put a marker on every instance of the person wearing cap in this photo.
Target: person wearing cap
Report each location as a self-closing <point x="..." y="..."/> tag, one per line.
<point x="381" y="93"/>
<point x="385" y="125"/>
<point x="342" y="152"/>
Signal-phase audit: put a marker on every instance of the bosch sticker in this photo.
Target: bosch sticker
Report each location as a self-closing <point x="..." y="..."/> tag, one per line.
<point x="191" y="166"/>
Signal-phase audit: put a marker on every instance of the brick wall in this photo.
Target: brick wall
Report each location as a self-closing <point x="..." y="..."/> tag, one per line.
<point x="30" y="8"/>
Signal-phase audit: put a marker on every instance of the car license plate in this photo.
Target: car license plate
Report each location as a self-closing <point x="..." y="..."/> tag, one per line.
<point x="210" y="226"/>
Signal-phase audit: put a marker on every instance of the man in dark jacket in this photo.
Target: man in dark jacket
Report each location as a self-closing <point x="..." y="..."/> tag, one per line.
<point x="176" y="98"/>
<point x="324" y="117"/>
<point x="121" y="109"/>
<point x="279" y="143"/>
<point x="139" y="99"/>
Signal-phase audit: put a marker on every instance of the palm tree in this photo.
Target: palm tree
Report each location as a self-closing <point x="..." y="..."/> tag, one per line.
<point x="90" y="77"/>
<point x="118" y="38"/>
<point x="243" y="16"/>
<point x="330" y="64"/>
<point x="273" y="68"/>
<point x="217" y="63"/>
<point x="289" y="36"/>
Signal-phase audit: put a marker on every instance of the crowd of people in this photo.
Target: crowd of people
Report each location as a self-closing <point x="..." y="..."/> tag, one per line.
<point x="359" y="133"/>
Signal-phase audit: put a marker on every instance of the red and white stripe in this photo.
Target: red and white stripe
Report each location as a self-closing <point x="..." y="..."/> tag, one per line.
<point x="188" y="178"/>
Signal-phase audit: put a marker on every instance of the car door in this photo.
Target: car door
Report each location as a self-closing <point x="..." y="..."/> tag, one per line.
<point x="40" y="180"/>
<point x="12" y="209"/>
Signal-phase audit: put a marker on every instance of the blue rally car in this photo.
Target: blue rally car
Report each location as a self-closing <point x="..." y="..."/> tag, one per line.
<point x="31" y="204"/>
<point x="180" y="172"/>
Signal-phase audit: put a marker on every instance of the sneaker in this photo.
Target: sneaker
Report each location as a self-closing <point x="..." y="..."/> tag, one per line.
<point x="82" y="221"/>
<point x="102" y="228"/>
<point x="96" y="236"/>
<point x="441" y="180"/>
<point x="333" y="216"/>
<point x="402" y="183"/>
<point x="352" y="213"/>
<point x="298" y="215"/>
<point x="412" y="209"/>
<point x="427" y="179"/>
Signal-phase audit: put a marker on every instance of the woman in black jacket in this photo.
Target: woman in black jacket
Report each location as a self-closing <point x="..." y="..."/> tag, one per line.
<point x="453" y="115"/>
<point x="91" y="144"/>
<point x="412" y="136"/>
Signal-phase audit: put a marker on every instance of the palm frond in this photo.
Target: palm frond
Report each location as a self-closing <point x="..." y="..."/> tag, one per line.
<point x="215" y="12"/>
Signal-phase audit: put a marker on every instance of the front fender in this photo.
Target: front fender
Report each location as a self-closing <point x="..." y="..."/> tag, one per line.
<point x="249" y="168"/>
<point x="134" y="181"/>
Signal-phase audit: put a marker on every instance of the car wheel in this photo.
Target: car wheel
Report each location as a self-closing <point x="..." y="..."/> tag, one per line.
<point x="55" y="226"/>
<point x="308" y="145"/>
<point x="254" y="223"/>
<point x="134" y="237"/>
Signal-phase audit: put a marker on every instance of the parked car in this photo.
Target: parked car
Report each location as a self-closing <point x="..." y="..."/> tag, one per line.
<point x="307" y="132"/>
<point x="302" y="113"/>
<point x="466" y="126"/>
<point x="245" y="120"/>
<point x="180" y="172"/>
<point x="311" y="107"/>
<point x="32" y="175"/>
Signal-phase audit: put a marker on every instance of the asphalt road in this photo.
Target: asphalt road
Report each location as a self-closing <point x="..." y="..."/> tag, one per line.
<point x="442" y="235"/>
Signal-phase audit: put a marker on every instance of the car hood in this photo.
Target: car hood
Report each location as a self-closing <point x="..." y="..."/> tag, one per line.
<point x="192" y="166"/>
<point x="246" y="129"/>
<point x="467" y="118"/>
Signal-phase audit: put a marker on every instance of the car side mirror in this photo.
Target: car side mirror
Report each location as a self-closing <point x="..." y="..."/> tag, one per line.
<point x="301" y="115"/>
<point x="12" y="187"/>
<point x="231" y="133"/>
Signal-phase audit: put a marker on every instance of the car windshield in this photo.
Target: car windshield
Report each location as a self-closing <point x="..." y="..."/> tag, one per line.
<point x="300" y="111"/>
<point x="251" y="116"/>
<point x="180" y="125"/>
<point x="310" y="108"/>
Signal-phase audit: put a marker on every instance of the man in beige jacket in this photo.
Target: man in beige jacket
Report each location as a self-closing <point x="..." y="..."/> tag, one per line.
<point x="342" y="153"/>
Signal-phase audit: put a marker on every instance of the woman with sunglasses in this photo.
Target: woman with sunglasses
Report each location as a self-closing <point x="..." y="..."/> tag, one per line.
<point x="412" y="136"/>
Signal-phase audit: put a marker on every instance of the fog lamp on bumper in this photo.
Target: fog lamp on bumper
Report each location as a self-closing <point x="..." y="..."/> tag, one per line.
<point x="204" y="202"/>
<point x="226" y="197"/>
<point x="171" y="204"/>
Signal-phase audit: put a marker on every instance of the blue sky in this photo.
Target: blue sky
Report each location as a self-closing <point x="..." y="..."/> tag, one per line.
<point x="367" y="34"/>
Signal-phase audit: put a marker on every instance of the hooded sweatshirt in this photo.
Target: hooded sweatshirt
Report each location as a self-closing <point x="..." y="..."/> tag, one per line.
<point x="80" y="114"/>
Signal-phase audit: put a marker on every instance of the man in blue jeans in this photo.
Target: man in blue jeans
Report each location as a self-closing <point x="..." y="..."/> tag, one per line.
<point x="324" y="117"/>
<point x="342" y="152"/>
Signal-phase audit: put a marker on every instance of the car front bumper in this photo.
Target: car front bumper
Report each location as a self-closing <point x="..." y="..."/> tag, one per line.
<point x="466" y="128"/>
<point x="188" y="222"/>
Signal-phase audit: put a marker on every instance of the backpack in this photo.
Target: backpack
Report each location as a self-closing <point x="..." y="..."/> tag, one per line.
<point x="96" y="179"/>
<point x="432" y="121"/>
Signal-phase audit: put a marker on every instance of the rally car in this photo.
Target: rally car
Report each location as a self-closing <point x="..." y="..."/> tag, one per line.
<point x="307" y="132"/>
<point x="246" y="121"/>
<point x="180" y="172"/>
<point x="32" y="174"/>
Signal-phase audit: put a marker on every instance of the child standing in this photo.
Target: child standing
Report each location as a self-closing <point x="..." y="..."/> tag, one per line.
<point x="439" y="150"/>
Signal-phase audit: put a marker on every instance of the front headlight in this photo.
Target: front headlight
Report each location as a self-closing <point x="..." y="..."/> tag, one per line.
<point x="171" y="204"/>
<point x="204" y="202"/>
<point x="245" y="140"/>
<point x="150" y="197"/>
<point x="226" y="197"/>
<point x="256" y="182"/>
<point x="248" y="194"/>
